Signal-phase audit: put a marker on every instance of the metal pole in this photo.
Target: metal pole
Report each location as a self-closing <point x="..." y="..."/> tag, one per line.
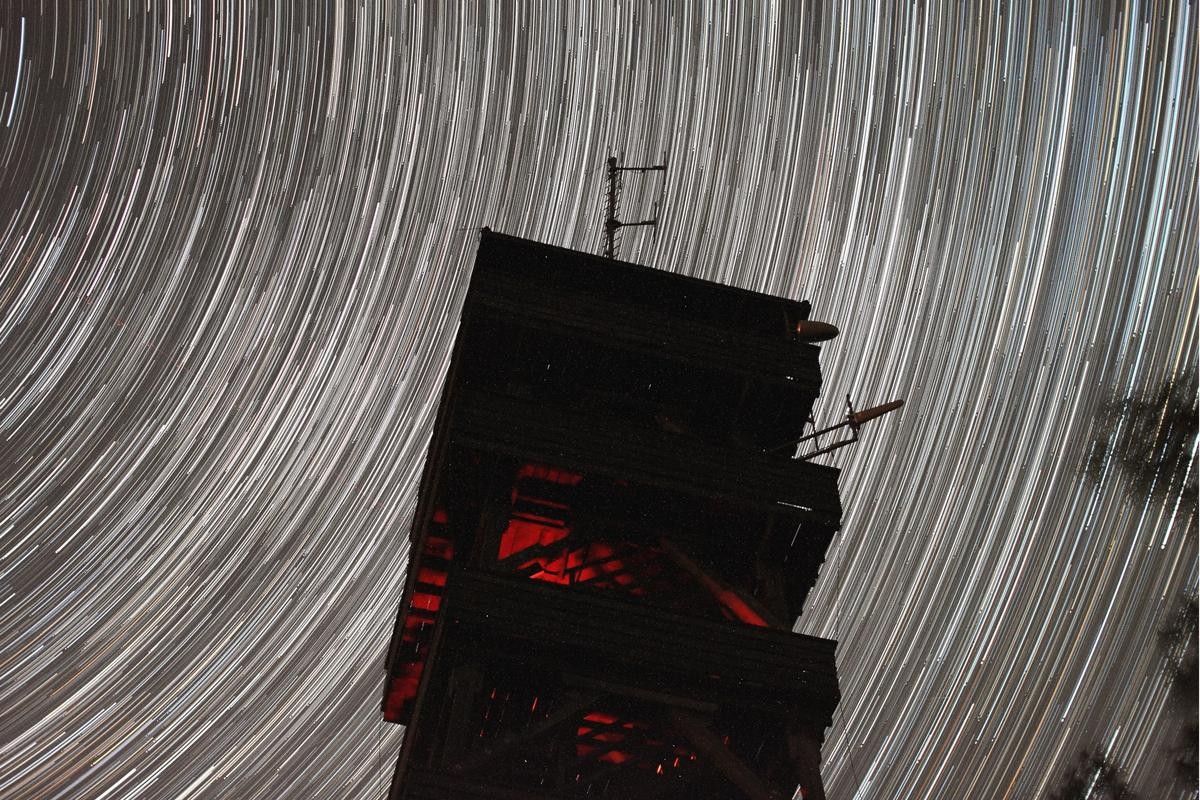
<point x="610" y="223"/>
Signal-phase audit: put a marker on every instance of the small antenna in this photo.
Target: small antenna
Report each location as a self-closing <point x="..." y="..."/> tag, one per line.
<point x="612" y="223"/>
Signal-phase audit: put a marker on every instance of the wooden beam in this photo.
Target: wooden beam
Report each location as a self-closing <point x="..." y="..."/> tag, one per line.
<point x="659" y="698"/>
<point x="709" y="745"/>
<point x="724" y="594"/>
<point x="507" y="744"/>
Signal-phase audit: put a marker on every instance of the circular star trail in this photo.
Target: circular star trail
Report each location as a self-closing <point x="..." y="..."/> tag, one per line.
<point x="235" y="239"/>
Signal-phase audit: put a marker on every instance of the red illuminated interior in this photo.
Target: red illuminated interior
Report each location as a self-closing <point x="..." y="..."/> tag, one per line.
<point x="607" y="738"/>
<point x="537" y="542"/>
<point x="603" y="738"/>
<point x="434" y="567"/>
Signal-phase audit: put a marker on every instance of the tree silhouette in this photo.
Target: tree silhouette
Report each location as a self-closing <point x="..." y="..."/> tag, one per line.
<point x="1093" y="777"/>
<point x="1150" y="440"/>
<point x="1178" y="642"/>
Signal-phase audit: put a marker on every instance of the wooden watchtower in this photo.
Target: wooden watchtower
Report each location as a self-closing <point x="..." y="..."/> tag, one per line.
<point x="610" y="547"/>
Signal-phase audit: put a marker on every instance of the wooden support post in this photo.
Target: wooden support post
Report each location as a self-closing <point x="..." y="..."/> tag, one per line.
<point x="466" y="680"/>
<point x="805" y="751"/>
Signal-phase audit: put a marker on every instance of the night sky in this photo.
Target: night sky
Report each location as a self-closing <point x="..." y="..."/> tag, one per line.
<point x="235" y="240"/>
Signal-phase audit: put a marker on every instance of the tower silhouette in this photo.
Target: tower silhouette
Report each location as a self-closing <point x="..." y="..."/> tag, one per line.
<point x="610" y="546"/>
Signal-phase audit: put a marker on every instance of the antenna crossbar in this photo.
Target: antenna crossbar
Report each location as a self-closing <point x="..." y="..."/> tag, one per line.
<point x="612" y="222"/>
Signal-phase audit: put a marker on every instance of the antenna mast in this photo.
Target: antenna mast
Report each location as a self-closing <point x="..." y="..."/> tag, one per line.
<point x="612" y="223"/>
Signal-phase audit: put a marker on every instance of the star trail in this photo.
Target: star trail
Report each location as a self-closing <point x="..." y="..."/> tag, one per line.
<point x="235" y="238"/>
